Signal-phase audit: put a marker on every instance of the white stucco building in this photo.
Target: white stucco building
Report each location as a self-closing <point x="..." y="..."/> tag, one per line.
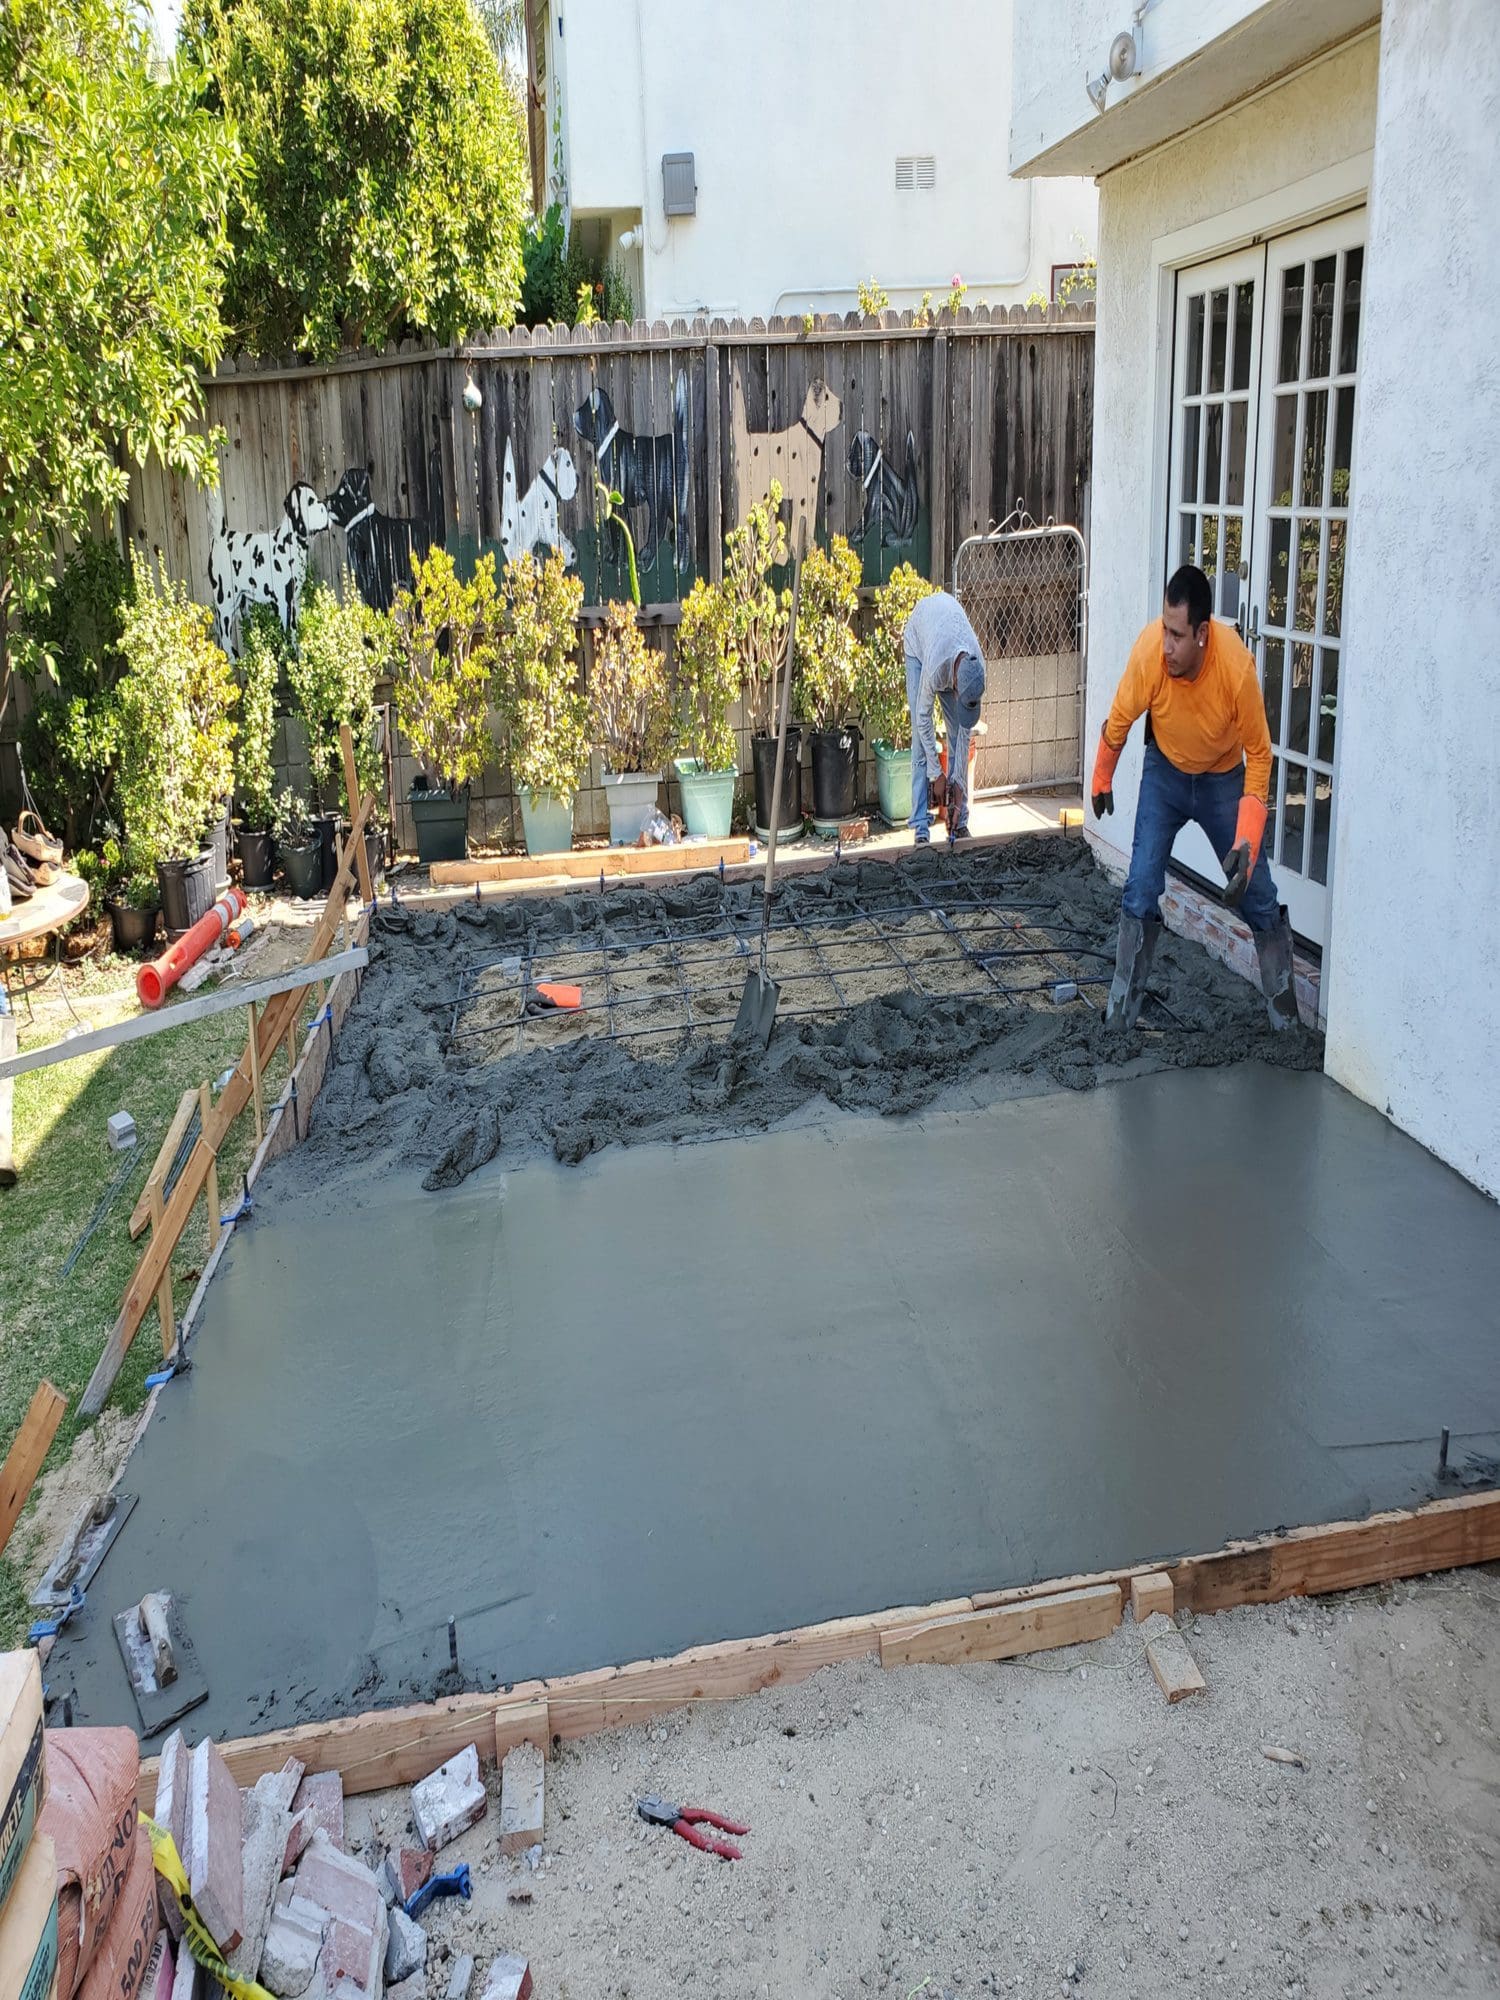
<point x="1298" y="384"/>
<point x="830" y="144"/>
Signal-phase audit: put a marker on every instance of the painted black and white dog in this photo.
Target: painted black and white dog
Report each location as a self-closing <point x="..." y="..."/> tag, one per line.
<point x="649" y="472"/>
<point x="891" y="498"/>
<point x="380" y="546"/>
<point x="264" y="565"/>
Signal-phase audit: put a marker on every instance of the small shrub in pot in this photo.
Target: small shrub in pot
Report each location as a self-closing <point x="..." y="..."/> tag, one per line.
<point x="631" y="706"/>
<point x="444" y="633"/>
<point x="882" y="696"/>
<point x="537" y="688"/>
<point x="708" y="681"/>
<point x="828" y="674"/>
<point x="261" y="653"/>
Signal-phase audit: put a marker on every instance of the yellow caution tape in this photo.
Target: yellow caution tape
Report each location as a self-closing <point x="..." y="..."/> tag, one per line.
<point x="168" y="1864"/>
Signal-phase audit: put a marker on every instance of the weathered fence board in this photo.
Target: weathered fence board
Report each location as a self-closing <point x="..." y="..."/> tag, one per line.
<point x="903" y="438"/>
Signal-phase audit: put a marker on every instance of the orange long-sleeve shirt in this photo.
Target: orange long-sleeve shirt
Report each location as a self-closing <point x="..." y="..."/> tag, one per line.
<point x="1206" y="724"/>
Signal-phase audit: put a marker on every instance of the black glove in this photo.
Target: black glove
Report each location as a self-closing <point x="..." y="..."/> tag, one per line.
<point x="1236" y="873"/>
<point x="1103" y="802"/>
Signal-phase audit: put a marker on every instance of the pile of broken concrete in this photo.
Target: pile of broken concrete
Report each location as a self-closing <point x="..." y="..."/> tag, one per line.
<point x="290" y="1909"/>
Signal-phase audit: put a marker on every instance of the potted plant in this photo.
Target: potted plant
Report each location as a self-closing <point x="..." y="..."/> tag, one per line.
<point x="708" y="673"/>
<point x="254" y="772"/>
<point x="175" y="704"/>
<point x="758" y="617"/>
<point x="882" y="699"/>
<point x="546" y="711"/>
<point x="443" y="632"/>
<point x="124" y="881"/>
<point x="298" y="844"/>
<point x="343" y="647"/>
<point x="632" y="720"/>
<point x="828" y="676"/>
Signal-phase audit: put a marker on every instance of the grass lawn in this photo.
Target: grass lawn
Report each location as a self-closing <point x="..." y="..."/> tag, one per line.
<point x="56" y="1327"/>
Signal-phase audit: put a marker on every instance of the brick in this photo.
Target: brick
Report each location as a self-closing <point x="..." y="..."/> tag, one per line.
<point x="460" y="1978"/>
<point x="187" y="1982"/>
<point x="279" y="1788"/>
<point x="450" y="1800"/>
<point x="215" y="1874"/>
<point x="300" y="1832"/>
<point x="412" y="1869"/>
<point x="322" y="1794"/>
<point x="355" y="1938"/>
<point x="414" y="1988"/>
<point x="1149" y="1594"/>
<point x="523" y="1794"/>
<point x="290" y="1956"/>
<point x="265" y="1827"/>
<point x="406" y="1947"/>
<point x="509" y="1978"/>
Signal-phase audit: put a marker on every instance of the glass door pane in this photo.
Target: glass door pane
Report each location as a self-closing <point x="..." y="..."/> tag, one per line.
<point x="1314" y="282"/>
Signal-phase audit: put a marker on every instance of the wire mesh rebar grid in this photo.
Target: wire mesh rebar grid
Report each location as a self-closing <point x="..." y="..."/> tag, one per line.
<point x="657" y="982"/>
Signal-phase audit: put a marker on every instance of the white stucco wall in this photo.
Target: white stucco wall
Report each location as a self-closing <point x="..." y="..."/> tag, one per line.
<point x="1414" y="963"/>
<point x="1312" y="122"/>
<point x="796" y="116"/>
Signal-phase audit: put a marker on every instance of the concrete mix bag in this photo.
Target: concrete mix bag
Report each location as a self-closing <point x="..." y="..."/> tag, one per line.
<point x="28" y="1927"/>
<point x="118" y="1967"/>
<point x="92" y="1775"/>
<point x="23" y="1766"/>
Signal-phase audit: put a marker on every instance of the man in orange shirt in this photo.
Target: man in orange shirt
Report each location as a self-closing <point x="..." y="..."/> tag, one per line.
<point x="1208" y="759"/>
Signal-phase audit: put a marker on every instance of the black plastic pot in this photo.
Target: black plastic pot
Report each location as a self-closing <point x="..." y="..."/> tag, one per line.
<point x="303" y="868"/>
<point x="835" y="768"/>
<point x="375" y="850"/>
<point x="442" y="825"/>
<point x="187" y="891"/>
<point x="329" y="827"/>
<point x="133" y="929"/>
<point x="257" y="852"/>
<point x="763" y="750"/>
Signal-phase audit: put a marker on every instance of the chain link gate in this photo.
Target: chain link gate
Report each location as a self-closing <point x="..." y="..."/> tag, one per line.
<point x="1024" y="590"/>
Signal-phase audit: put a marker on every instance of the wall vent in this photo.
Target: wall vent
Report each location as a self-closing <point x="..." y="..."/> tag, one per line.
<point x="915" y="171"/>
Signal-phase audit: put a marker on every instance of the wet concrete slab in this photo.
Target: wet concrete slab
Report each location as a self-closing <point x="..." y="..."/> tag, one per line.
<point x="693" y="1393"/>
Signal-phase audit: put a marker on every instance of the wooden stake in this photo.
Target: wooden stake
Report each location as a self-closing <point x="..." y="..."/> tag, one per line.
<point x="157" y="1212"/>
<point x="351" y="787"/>
<point x="24" y="1459"/>
<point x="205" y="1106"/>
<point x="252" y="1049"/>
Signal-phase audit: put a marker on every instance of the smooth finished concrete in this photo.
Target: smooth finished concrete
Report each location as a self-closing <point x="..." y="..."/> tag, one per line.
<point x="687" y="1394"/>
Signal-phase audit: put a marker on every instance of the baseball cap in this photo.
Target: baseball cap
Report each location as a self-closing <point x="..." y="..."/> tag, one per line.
<point x="969" y="689"/>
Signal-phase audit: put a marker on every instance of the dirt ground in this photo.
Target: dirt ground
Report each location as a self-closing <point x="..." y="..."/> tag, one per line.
<point x="1042" y="1827"/>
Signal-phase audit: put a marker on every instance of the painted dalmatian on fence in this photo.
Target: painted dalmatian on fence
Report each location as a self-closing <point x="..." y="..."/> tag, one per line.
<point x="264" y="565"/>
<point x="531" y="521"/>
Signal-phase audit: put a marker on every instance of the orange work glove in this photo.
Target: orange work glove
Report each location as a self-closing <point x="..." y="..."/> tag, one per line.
<point x="1101" y="785"/>
<point x="1249" y="832"/>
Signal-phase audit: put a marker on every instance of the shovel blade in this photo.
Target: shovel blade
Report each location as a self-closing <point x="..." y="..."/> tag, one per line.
<point x="757" y="1013"/>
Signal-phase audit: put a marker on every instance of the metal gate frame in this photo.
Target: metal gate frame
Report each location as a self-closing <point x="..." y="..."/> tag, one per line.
<point x="1019" y="528"/>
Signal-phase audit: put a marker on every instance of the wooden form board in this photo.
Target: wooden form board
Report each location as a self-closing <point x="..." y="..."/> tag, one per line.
<point x="1008" y="1631"/>
<point x="24" y="1459"/>
<point x="586" y="864"/>
<point x="399" y="1745"/>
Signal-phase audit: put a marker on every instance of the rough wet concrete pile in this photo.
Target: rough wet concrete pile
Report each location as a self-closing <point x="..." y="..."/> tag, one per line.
<point x="398" y="1097"/>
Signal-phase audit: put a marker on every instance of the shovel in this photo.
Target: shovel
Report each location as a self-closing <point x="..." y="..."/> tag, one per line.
<point x="757" y="1015"/>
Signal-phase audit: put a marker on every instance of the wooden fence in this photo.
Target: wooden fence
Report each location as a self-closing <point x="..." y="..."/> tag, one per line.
<point x="903" y="438"/>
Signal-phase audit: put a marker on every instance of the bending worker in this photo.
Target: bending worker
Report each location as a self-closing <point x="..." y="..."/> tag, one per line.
<point x="1208" y="759"/>
<point x="944" y="664"/>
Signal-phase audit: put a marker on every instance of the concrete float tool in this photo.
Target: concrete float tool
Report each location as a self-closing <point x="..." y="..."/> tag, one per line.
<point x="160" y="1660"/>
<point x="758" y="1002"/>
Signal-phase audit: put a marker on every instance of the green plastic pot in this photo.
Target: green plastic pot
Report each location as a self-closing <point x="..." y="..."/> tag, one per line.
<point x="707" y="798"/>
<point x="547" y="822"/>
<point x="893" y="781"/>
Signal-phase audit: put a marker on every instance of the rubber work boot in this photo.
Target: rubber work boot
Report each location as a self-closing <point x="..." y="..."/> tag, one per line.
<point x="1133" y="956"/>
<point x="1274" y="950"/>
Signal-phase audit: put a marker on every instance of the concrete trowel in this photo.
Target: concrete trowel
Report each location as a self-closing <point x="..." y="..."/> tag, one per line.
<point x="758" y="1002"/>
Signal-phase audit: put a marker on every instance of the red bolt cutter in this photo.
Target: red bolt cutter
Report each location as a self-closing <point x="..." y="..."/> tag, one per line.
<point x="685" y="1821"/>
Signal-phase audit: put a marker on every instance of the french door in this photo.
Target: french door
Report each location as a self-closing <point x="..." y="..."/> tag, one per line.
<point x="1265" y="364"/>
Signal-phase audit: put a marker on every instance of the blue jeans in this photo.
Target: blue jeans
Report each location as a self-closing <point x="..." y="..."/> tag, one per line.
<point x="958" y="754"/>
<point x="1169" y="798"/>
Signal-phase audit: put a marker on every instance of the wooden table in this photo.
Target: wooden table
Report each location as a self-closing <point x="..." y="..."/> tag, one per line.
<point x="46" y="911"/>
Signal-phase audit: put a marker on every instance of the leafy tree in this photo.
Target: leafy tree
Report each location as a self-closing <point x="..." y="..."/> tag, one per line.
<point x="445" y="632"/>
<point x="70" y="738"/>
<point x="546" y="711"/>
<point x="113" y="189"/>
<point x="828" y="653"/>
<point x="389" y="182"/>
